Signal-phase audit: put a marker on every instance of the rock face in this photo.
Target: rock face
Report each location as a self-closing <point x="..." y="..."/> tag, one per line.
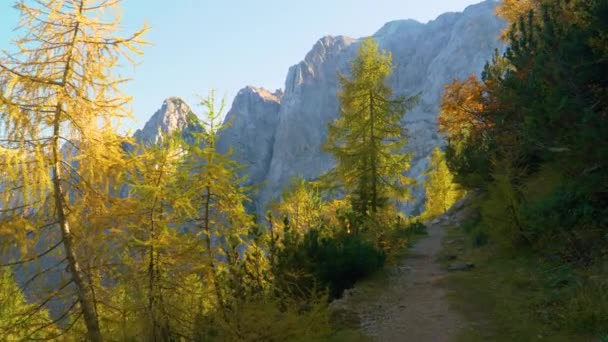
<point x="253" y="121"/>
<point x="171" y="117"/>
<point x="277" y="136"/>
<point x="425" y="56"/>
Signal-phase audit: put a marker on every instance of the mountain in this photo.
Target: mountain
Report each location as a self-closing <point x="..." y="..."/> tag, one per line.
<point x="279" y="135"/>
<point x="173" y="116"/>
<point x="252" y="121"/>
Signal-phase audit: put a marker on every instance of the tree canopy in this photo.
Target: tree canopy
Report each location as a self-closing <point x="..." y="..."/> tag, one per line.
<point x="368" y="138"/>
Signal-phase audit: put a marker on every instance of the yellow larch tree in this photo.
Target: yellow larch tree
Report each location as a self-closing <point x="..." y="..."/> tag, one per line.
<point x="60" y="104"/>
<point x="13" y="306"/>
<point x="218" y="213"/>
<point x="440" y="188"/>
<point x="368" y="138"/>
<point x="513" y="10"/>
<point x="154" y="244"/>
<point x="300" y="207"/>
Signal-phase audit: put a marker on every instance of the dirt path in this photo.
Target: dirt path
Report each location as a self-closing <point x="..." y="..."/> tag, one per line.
<point x="409" y="303"/>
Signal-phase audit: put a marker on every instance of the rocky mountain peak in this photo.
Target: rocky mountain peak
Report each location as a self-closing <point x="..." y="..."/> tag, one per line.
<point x="397" y="26"/>
<point x="261" y="93"/>
<point x="173" y="116"/>
<point x="324" y="52"/>
<point x="278" y="136"/>
<point x="329" y="44"/>
<point x="253" y="119"/>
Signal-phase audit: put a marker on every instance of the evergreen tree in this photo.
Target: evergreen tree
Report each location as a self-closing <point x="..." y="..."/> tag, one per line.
<point x="59" y="94"/>
<point x="368" y="138"/>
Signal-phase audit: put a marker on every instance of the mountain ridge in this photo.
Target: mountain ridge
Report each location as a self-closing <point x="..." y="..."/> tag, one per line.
<point x="279" y="135"/>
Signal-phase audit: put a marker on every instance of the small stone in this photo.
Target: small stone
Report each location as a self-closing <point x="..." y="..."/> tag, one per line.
<point x="460" y="267"/>
<point x="405" y="269"/>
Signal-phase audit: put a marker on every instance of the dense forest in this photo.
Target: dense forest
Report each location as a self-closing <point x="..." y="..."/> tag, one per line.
<point x="105" y="238"/>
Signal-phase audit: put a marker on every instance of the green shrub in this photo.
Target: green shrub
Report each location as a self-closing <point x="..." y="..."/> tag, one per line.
<point x="586" y="309"/>
<point x="335" y="262"/>
<point x="340" y="262"/>
<point x="568" y="221"/>
<point x="269" y="318"/>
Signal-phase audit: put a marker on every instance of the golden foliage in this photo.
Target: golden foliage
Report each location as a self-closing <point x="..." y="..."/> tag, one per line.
<point x="512" y="10"/>
<point x="60" y="104"/>
<point x="441" y="190"/>
<point x="300" y="205"/>
<point x="463" y="109"/>
<point x="368" y="138"/>
<point x="20" y="321"/>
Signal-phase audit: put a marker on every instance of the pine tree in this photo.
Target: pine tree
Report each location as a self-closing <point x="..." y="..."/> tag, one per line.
<point x="441" y="190"/>
<point x="368" y="138"/>
<point x="59" y="94"/>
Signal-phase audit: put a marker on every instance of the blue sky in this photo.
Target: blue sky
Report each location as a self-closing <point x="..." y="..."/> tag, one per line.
<point x="228" y="44"/>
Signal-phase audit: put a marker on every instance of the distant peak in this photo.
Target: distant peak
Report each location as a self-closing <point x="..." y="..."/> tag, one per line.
<point x="173" y="116"/>
<point x="174" y="100"/>
<point x="326" y="46"/>
<point x="395" y="26"/>
<point x="329" y="42"/>
<point x="263" y="93"/>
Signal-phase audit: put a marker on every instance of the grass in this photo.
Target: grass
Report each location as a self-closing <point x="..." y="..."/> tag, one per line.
<point x="517" y="297"/>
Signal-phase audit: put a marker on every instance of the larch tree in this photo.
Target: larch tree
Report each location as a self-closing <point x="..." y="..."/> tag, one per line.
<point x="13" y="305"/>
<point x="157" y="250"/>
<point x="300" y="205"/>
<point x="368" y="138"/>
<point x="513" y="10"/>
<point x="441" y="190"/>
<point x="59" y="106"/>
<point x="218" y="211"/>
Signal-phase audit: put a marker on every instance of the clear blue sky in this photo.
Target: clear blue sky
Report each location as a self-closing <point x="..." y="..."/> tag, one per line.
<point x="228" y="44"/>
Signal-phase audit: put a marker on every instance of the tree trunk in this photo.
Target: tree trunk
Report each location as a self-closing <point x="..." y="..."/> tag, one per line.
<point x="85" y="296"/>
<point x="84" y="293"/>
<point x="207" y="228"/>
<point x="374" y="199"/>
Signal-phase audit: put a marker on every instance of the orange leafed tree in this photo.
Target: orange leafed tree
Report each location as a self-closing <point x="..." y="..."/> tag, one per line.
<point x="464" y="109"/>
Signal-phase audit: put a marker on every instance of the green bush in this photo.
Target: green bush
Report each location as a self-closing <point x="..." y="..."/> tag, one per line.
<point x="334" y="262"/>
<point x="340" y="262"/>
<point x="569" y="221"/>
<point x="586" y="309"/>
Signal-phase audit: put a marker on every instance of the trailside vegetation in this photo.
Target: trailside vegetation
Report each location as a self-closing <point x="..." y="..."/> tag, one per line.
<point x="531" y="134"/>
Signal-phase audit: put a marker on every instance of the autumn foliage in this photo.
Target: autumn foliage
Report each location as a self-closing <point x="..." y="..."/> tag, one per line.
<point x="464" y="109"/>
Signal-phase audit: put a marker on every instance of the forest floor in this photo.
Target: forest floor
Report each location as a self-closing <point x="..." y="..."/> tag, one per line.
<point x="408" y="300"/>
